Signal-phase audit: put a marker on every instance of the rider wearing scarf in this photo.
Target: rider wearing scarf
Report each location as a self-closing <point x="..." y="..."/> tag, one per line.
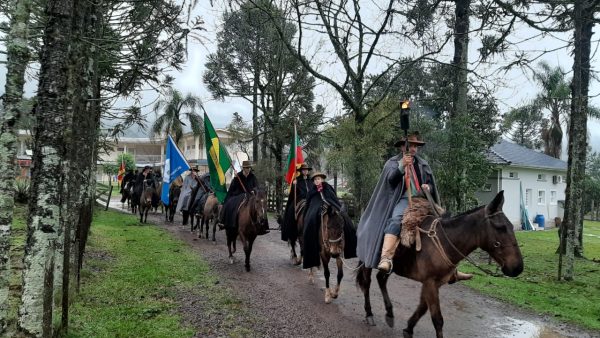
<point x="244" y="183"/>
<point x="298" y="192"/>
<point x="323" y="195"/>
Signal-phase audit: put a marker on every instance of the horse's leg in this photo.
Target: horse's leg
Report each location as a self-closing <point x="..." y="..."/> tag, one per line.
<point x="229" y="244"/>
<point x="206" y="223"/>
<point x="293" y="255"/>
<point x="382" y="279"/>
<point x="192" y="222"/>
<point x="311" y="276"/>
<point x="419" y="312"/>
<point x="247" y="251"/>
<point x="432" y="297"/>
<point x="214" y="220"/>
<point x="340" y="275"/>
<point x="363" y="279"/>
<point x="325" y="260"/>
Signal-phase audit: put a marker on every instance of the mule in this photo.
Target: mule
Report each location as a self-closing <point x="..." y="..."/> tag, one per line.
<point x="331" y="244"/>
<point x="435" y="265"/>
<point x="174" y="192"/>
<point x="146" y="201"/>
<point x="252" y="215"/>
<point x="210" y="214"/>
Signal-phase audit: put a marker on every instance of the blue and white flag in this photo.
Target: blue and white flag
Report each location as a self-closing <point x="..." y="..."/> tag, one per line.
<point x="175" y="165"/>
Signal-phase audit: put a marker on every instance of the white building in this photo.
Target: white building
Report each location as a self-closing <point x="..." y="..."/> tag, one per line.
<point x="542" y="177"/>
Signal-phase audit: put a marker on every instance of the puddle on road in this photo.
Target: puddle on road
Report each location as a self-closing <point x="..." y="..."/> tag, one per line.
<point x="516" y="328"/>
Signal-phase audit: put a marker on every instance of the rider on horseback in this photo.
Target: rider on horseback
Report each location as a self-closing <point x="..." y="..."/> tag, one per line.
<point x="321" y="197"/>
<point x="389" y="201"/>
<point x="296" y="199"/>
<point x="244" y="183"/>
<point x="185" y="199"/>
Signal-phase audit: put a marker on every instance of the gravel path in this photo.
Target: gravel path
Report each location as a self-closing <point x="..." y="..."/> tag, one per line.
<point x="289" y="306"/>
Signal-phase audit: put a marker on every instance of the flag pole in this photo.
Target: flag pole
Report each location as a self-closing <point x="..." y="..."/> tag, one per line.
<point x="295" y="165"/>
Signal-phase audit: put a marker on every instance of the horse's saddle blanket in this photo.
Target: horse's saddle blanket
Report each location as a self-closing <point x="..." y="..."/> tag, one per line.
<point x="300" y="208"/>
<point x="413" y="218"/>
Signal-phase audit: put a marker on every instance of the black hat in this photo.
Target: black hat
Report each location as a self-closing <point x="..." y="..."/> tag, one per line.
<point x="303" y="166"/>
<point x="413" y="138"/>
<point x="147" y="167"/>
<point x="246" y="164"/>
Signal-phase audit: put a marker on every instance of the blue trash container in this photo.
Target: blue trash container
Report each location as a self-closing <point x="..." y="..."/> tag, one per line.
<point x="539" y="219"/>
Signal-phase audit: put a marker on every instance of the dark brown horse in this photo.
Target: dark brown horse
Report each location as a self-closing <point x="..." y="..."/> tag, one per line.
<point x="174" y="192"/>
<point x="209" y="214"/>
<point x="331" y="243"/>
<point x="485" y="227"/>
<point x="146" y="201"/>
<point x="252" y="215"/>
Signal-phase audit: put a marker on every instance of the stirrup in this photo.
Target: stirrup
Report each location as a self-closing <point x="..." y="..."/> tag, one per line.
<point x="385" y="260"/>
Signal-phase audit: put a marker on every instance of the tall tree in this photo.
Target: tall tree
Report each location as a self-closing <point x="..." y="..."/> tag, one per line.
<point x="554" y="97"/>
<point x="176" y="108"/>
<point x="523" y="126"/>
<point x="18" y="56"/>
<point x="35" y="312"/>
<point x="583" y="22"/>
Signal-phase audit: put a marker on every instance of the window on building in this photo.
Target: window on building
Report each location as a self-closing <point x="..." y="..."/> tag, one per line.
<point x="542" y="197"/>
<point x="528" y="196"/>
<point x="193" y="146"/>
<point x="513" y="174"/>
<point x="121" y="149"/>
<point x="487" y="187"/>
<point x="553" y="197"/>
<point x="541" y="177"/>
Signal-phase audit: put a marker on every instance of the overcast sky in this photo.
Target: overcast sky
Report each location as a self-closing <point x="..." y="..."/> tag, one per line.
<point x="514" y="87"/>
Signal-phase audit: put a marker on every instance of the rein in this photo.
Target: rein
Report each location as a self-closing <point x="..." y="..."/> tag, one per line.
<point x="432" y="233"/>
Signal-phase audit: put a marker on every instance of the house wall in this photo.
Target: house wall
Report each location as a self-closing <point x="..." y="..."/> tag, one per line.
<point x="545" y="204"/>
<point x="490" y="189"/>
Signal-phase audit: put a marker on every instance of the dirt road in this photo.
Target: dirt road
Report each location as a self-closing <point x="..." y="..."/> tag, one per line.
<point x="290" y="306"/>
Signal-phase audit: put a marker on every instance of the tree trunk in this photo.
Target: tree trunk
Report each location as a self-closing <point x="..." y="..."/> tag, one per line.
<point x="35" y="312"/>
<point x="459" y="95"/>
<point x="583" y="14"/>
<point x="17" y="57"/>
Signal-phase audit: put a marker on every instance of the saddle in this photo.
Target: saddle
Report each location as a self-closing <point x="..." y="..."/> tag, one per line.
<point x="413" y="218"/>
<point x="299" y="208"/>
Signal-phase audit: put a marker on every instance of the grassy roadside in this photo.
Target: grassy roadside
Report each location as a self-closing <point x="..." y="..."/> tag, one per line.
<point x="132" y="278"/>
<point x="537" y="288"/>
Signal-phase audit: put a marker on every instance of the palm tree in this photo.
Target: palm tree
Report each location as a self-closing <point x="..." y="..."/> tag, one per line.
<point x="555" y="97"/>
<point x="175" y="108"/>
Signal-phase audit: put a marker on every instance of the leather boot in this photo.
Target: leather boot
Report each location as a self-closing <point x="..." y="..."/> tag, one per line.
<point x="458" y="276"/>
<point x="390" y="242"/>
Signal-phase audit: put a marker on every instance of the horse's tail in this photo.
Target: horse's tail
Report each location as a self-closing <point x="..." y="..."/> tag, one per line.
<point x="361" y="275"/>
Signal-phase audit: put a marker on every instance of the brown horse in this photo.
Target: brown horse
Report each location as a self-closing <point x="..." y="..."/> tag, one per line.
<point x="174" y="192"/>
<point x="297" y="260"/>
<point x="209" y="214"/>
<point x="252" y="215"/>
<point x="331" y="243"/>
<point x="146" y="201"/>
<point x="487" y="228"/>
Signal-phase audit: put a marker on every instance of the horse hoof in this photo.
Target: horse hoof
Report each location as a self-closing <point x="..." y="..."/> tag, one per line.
<point x="335" y="292"/>
<point x="389" y="320"/>
<point x="370" y="321"/>
<point x="327" y="296"/>
<point x="230" y="260"/>
<point x="247" y="268"/>
<point x="406" y="334"/>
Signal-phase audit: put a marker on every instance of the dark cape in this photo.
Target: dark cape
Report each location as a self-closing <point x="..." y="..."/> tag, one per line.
<point x="379" y="210"/>
<point x="235" y="196"/>
<point x="298" y="192"/>
<point x="138" y="186"/>
<point x="204" y="189"/>
<point x="312" y="226"/>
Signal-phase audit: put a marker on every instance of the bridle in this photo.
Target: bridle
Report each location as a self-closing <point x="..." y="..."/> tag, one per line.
<point x="324" y="231"/>
<point x="496" y="245"/>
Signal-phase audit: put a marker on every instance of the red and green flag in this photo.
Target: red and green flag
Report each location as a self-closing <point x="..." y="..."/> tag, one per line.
<point x="295" y="158"/>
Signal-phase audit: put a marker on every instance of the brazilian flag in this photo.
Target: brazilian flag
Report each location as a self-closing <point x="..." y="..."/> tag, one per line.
<point x="218" y="159"/>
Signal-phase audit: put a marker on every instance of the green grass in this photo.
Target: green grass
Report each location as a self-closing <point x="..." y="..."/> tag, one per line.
<point x="537" y="287"/>
<point x="130" y="280"/>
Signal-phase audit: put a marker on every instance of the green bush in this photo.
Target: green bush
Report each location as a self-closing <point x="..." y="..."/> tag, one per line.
<point x="22" y="190"/>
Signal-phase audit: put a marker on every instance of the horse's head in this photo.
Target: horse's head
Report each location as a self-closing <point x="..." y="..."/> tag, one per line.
<point x="258" y="203"/>
<point x="332" y="232"/>
<point x="499" y="238"/>
<point x="175" y="192"/>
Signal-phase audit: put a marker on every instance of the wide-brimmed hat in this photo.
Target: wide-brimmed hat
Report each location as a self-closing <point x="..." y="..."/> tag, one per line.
<point x="246" y="164"/>
<point x="318" y="174"/>
<point x="195" y="168"/>
<point x="147" y="167"/>
<point x="303" y="166"/>
<point x="413" y="138"/>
